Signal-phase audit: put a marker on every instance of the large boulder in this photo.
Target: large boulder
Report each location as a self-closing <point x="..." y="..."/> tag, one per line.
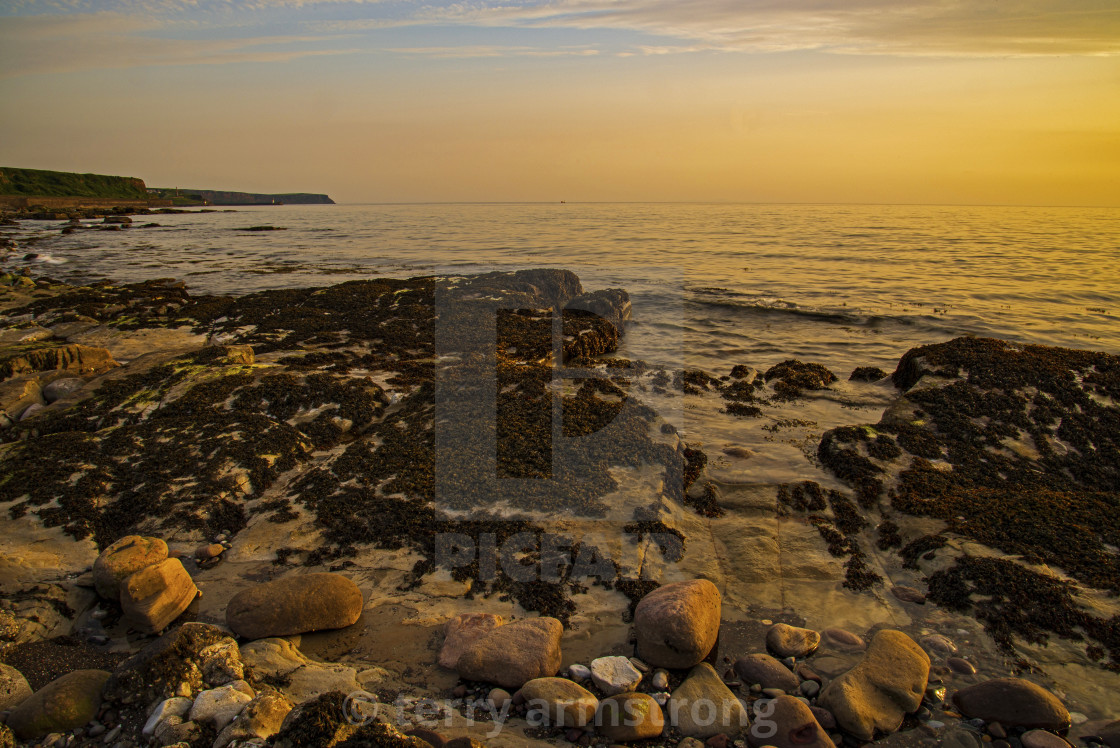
<point x="884" y="687"/>
<point x="629" y="716"/>
<point x="295" y="605"/>
<point x="787" y="722"/>
<point x="60" y="706"/>
<point x="1013" y="702"/>
<point x="122" y="559"/>
<point x="677" y="624"/>
<point x="560" y="701"/>
<point x="461" y="632"/>
<point x="154" y="597"/>
<point x="702" y="706"/>
<point x="511" y="655"/>
<point x="14" y="688"/>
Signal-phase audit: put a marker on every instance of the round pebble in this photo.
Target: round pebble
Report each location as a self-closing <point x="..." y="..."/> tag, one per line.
<point x="1042" y="739"/>
<point x="938" y="644"/>
<point x="810" y="688"/>
<point x="908" y="594"/>
<point x="961" y="665"/>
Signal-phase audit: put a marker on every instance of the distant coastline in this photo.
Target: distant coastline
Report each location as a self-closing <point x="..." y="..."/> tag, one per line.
<point x="27" y="188"/>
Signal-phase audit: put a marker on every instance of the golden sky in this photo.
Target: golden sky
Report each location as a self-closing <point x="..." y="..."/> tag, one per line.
<point x="920" y="101"/>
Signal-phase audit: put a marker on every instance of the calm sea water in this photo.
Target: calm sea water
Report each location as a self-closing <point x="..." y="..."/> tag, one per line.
<point x="714" y="285"/>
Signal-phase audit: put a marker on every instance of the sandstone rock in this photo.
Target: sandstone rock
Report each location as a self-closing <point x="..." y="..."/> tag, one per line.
<point x="789" y="641"/>
<point x="845" y="640"/>
<point x="615" y="675"/>
<point x="60" y="706"/>
<point x="14" y="688"/>
<point x="514" y="654"/>
<point x="702" y="706"/>
<point x="272" y="658"/>
<point x="1042" y="739"/>
<point x="122" y="559"/>
<point x="261" y="718"/>
<point x="885" y="686"/>
<point x="766" y="672"/>
<point x="560" y="702"/>
<point x="1013" y="702"/>
<point x="316" y="678"/>
<point x="788" y="722"/>
<point x="629" y="716"/>
<point x="677" y="624"/>
<point x="461" y="632"/>
<point x="295" y="605"/>
<point x="155" y="596"/>
<point x="217" y="706"/>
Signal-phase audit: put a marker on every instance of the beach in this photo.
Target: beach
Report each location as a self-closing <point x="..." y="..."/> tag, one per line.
<point x="869" y="439"/>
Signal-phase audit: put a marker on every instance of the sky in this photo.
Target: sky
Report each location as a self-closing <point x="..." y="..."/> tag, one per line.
<point x="819" y="101"/>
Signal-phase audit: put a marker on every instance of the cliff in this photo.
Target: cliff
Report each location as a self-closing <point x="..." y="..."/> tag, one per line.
<point x="219" y="197"/>
<point x="61" y="184"/>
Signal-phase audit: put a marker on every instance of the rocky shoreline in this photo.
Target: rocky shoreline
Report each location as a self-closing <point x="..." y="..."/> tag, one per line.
<point x="222" y="516"/>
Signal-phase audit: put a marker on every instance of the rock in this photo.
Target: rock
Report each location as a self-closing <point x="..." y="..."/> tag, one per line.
<point x="660" y="680"/>
<point x="217" y="706"/>
<point x="1042" y="739"/>
<point x="844" y="640"/>
<point x="432" y="738"/>
<point x="614" y="675"/>
<point x="175" y="732"/>
<point x="677" y="624"/>
<point x="787" y="722"/>
<point x="961" y="665"/>
<point x="498" y="698"/>
<point x="789" y="641"/>
<point x="166" y="666"/>
<point x="177" y="706"/>
<point x="514" y="654"/>
<point x="261" y="718"/>
<point x="560" y="702"/>
<point x="221" y="663"/>
<point x="579" y="673"/>
<point x="1013" y="702"/>
<point x="155" y="596"/>
<point x="867" y="374"/>
<point x="30" y="411"/>
<point x="690" y="743"/>
<point x="7" y="739"/>
<point x="461" y="632"/>
<point x="209" y="551"/>
<point x="765" y="671"/>
<point x="824" y="717"/>
<point x="272" y="658"/>
<point x="885" y="686"/>
<point x="908" y="594"/>
<point x="629" y="716"/>
<point x="60" y="388"/>
<point x="122" y="559"/>
<point x="936" y="644"/>
<point x="14" y="688"/>
<point x="703" y="706"/>
<point x="295" y="605"/>
<point x="60" y="706"/>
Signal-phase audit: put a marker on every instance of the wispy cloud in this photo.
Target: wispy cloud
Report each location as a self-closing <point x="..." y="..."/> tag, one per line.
<point x="483" y="50"/>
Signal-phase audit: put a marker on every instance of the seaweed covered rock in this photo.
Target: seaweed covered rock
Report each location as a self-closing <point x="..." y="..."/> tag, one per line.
<point x="158" y="670"/>
<point x="677" y="624"/>
<point x="295" y="605"/>
<point x="1013" y="702"/>
<point x="60" y="706"/>
<point x="322" y="721"/>
<point x="794" y="377"/>
<point x="155" y="596"/>
<point x="122" y="559"/>
<point x="511" y="655"/>
<point x="887" y="684"/>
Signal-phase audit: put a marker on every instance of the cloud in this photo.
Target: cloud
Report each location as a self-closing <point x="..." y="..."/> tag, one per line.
<point x="66" y="43"/>
<point x="482" y="50"/>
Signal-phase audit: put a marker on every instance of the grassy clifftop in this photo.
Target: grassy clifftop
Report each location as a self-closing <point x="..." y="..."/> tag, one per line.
<point x="40" y="183"/>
